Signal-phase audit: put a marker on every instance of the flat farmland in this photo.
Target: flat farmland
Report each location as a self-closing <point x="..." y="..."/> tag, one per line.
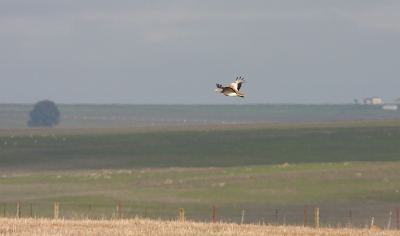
<point x="198" y="145"/>
<point x="251" y="170"/>
<point x="366" y="189"/>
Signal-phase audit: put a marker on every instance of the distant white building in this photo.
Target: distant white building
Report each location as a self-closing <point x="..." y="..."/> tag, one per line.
<point x="389" y="107"/>
<point x="371" y="101"/>
<point x="376" y="101"/>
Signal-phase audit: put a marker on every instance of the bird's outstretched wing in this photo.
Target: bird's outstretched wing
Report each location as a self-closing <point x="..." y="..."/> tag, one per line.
<point x="239" y="81"/>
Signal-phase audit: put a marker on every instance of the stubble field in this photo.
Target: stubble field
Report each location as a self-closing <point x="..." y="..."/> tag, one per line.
<point x="138" y="226"/>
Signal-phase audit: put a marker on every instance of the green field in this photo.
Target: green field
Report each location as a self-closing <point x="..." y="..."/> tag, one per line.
<point x="368" y="189"/>
<point x="155" y="170"/>
<point x="199" y="146"/>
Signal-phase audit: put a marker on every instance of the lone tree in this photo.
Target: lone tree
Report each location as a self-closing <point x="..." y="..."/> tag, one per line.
<point x="45" y="113"/>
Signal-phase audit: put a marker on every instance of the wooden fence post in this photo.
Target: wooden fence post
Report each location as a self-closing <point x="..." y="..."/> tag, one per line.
<point x="56" y="210"/>
<point x="214" y="214"/>
<point x="181" y="214"/>
<point x="316" y="220"/>
<point x="31" y="210"/>
<point x="88" y="216"/>
<point x="4" y="209"/>
<point x="119" y="210"/>
<point x="276" y="217"/>
<point x="19" y="209"/>
<point x="351" y="220"/>
<point x="397" y="218"/>
<point x="305" y="216"/>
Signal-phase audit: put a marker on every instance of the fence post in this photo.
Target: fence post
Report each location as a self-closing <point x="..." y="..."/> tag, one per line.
<point x="305" y="216"/>
<point x="351" y="220"/>
<point x="19" y="209"/>
<point x="181" y="214"/>
<point x="88" y="216"/>
<point x="397" y="218"/>
<point x="119" y="210"/>
<point x="4" y="209"/>
<point x="276" y="217"/>
<point x="214" y="214"/>
<point x="242" y="217"/>
<point x="56" y="205"/>
<point x="316" y="220"/>
<point x="145" y="212"/>
<point x="31" y="210"/>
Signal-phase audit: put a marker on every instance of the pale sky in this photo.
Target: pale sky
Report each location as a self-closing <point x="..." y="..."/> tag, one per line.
<point x="173" y="52"/>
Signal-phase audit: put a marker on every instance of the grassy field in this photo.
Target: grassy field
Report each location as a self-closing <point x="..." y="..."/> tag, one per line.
<point x="258" y="168"/>
<point x="138" y="226"/>
<point x="368" y="189"/>
<point x="198" y="146"/>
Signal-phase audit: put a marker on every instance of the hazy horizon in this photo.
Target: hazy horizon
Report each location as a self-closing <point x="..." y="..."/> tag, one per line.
<point x="184" y="104"/>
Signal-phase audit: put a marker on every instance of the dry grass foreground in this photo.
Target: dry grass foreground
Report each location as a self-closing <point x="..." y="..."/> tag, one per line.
<point x="29" y="226"/>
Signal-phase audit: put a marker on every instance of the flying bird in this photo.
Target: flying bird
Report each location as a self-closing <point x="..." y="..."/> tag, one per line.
<point x="233" y="89"/>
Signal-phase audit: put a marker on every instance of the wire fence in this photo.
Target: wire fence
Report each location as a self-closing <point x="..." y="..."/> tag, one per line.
<point x="302" y="215"/>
